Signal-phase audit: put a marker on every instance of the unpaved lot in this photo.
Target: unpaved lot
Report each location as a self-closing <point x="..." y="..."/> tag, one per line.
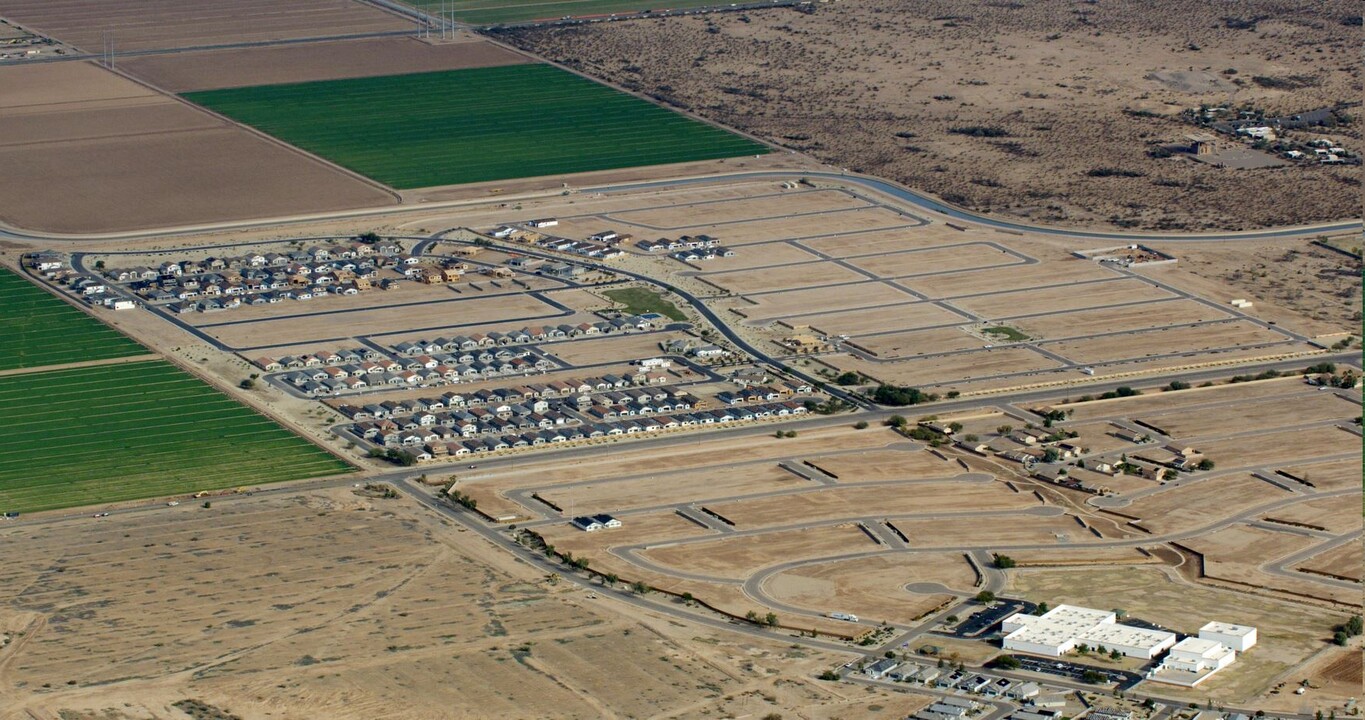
<point x="895" y="240"/>
<point x="930" y="261"/>
<point x="873" y="588"/>
<point x="152" y="24"/>
<point x="951" y="368"/>
<point x="879" y="465"/>
<point x="971" y="282"/>
<point x="1113" y="320"/>
<point x="135" y="159"/>
<point x="1303" y="408"/>
<point x="1061" y="299"/>
<point x="211" y="70"/>
<point x="740" y="557"/>
<point x="1018" y="109"/>
<point x="1282" y="447"/>
<point x="1343" y="561"/>
<point x="784" y="205"/>
<point x="738" y="234"/>
<point x="922" y="498"/>
<point x="917" y="342"/>
<point x="784" y="277"/>
<point x="612" y="495"/>
<point x="797" y="303"/>
<point x="1140" y="344"/>
<point x="1176" y="509"/>
<point x="876" y="320"/>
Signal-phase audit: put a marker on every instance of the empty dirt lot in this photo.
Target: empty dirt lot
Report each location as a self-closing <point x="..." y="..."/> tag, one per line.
<point x="137" y="159"/>
<point x="797" y="303"/>
<point x="828" y="223"/>
<point x="873" y="588"/>
<point x="921" y="498"/>
<point x="1111" y="320"/>
<point x="185" y="72"/>
<point x="740" y="557"/>
<point x="1146" y="343"/>
<point x="928" y="261"/>
<point x="686" y="216"/>
<point x="611" y="495"/>
<point x="1010" y="108"/>
<point x="1304" y="407"/>
<point x="1049" y="272"/>
<point x="917" y="342"/>
<point x="876" y="320"/>
<point x="950" y="369"/>
<point x="154" y="24"/>
<point x="785" y="277"/>
<point x="1176" y="509"/>
<point x="1061" y="299"/>
<point x="326" y="604"/>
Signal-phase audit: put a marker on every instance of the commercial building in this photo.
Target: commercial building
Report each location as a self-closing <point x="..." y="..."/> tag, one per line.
<point x="1195" y="659"/>
<point x="1066" y="627"/>
<point x="1237" y="637"/>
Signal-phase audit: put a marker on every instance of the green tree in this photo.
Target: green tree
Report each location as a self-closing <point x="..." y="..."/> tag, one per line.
<point x="640" y="588"/>
<point x="1354" y="625"/>
<point x="1177" y="385"/>
<point x="1007" y="662"/>
<point x="1205" y="465"/>
<point x="770" y="619"/>
<point x="1005" y="429"/>
<point x="1340" y="638"/>
<point x="610" y="579"/>
<point x="985" y="596"/>
<point x="1090" y="677"/>
<point x="1042" y="608"/>
<point x="896" y="421"/>
<point x="849" y="378"/>
<point x="1004" y="562"/>
<point x="247" y="384"/>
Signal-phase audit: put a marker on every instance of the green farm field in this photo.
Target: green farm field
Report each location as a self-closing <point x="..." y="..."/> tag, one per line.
<point x="490" y="12"/>
<point x="473" y="125"/>
<point x="136" y="430"/>
<point x="38" y="329"/>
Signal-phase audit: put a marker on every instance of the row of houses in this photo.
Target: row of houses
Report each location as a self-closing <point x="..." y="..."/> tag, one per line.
<point x="383" y="252"/>
<point x="763" y="393"/>
<point x="426" y="444"/>
<point x="578" y="390"/>
<point x="334" y="380"/>
<point x="427" y="428"/>
<point x="533" y="334"/>
<point x="600" y="245"/>
<point x="686" y="242"/>
<point x="700" y="255"/>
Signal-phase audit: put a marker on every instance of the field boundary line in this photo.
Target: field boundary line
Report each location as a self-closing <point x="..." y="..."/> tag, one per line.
<point x="80" y="364"/>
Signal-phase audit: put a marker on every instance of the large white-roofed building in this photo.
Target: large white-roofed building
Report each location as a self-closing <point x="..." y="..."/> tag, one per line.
<point x="1066" y="627"/>
<point x="1237" y="637"/>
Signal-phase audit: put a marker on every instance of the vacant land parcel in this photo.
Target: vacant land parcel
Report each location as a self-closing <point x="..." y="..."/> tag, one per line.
<point x="135" y="430"/>
<point x="488" y="12"/>
<point x="37" y="329"/>
<point x="153" y="24"/>
<point x="138" y="159"/>
<point x="473" y="125"/>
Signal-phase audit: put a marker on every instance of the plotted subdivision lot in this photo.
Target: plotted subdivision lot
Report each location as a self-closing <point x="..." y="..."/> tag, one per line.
<point x="37" y="329"/>
<point x="473" y="125"/>
<point x="135" y="430"/>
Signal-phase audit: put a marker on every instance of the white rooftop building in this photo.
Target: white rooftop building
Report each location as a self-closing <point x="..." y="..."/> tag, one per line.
<point x="1066" y="627"/>
<point x="1237" y="637"/>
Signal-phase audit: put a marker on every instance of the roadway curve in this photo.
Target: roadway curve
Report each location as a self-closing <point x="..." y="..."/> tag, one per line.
<point x="885" y="187"/>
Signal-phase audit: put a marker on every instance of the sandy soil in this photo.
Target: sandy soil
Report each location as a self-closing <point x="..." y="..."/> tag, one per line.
<point x="799" y="302"/>
<point x="1282" y="447"/>
<point x="875" y="320"/>
<point x="1018" y="530"/>
<point x="148" y="24"/>
<point x="1332" y="475"/>
<point x="1298" y="285"/>
<point x="740" y="557"/>
<point x="612" y="495"/>
<point x="1010" y="278"/>
<point x="138" y="160"/>
<point x="885" y="241"/>
<point x="1138" y="317"/>
<point x="918" y="342"/>
<point x="949" y="369"/>
<point x="1305" y="407"/>
<point x="1343" y="561"/>
<point x="1177" y="509"/>
<point x="739" y="234"/>
<point x="1029" y="302"/>
<point x="937" y="260"/>
<point x="1081" y="556"/>
<point x="1141" y="343"/>
<point x="1237" y="554"/>
<point x="756" y="255"/>
<point x="1155" y="403"/>
<point x="610" y="349"/>
<point x="873" y="588"/>
<point x="879" y="86"/>
<point x="686" y="216"/>
<point x="185" y="72"/>
<point x="785" y="277"/>
<point x="924" y="498"/>
<point x="1327" y="514"/>
<point x="878" y="465"/>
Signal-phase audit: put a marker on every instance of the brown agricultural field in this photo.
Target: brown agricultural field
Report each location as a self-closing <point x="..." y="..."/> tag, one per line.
<point x="156" y="24"/>
<point x="136" y="159"/>
<point x="1009" y="108"/>
<point x="214" y="69"/>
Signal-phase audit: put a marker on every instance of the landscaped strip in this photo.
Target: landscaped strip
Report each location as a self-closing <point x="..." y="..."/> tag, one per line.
<point x="474" y="125"/>
<point x="37" y="329"/>
<point x="134" y="430"/>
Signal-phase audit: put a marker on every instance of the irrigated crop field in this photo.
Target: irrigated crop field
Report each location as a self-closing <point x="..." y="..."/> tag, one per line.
<point x="135" y="430"/>
<point x="37" y="329"/>
<point x="473" y="125"/>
